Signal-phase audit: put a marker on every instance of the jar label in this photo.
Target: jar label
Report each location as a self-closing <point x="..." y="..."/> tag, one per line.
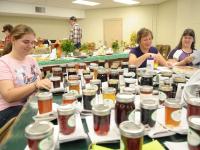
<point x="135" y="116"/>
<point x="71" y="121"/>
<point x="176" y="115"/>
<point x="193" y="138"/>
<point x="93" y="102"/>
<point x="46" y="144"/>
<point x="153" y="115"/>
<point x="162" y="95"/>
<point x="109" y="102"/>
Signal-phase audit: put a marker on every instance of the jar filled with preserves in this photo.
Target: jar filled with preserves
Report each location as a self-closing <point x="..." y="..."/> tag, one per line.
<point x="57" y="71"/>
<point x="74" y="85"/>
<point x="114" y="83"/>
<point x="72" y="72"/>
<point x="193" y="106"/>
<point x="102" y="63"/>
<point x="165" y="92"/>
<point x="146" y="79"/>
<point x="176" y="80"/>
<point x="130" y="82"/>
<point x="63" y="66"/>
<point x="56" y="81"/>
<point x="73" y="77"/>
<point x="82" y="66"/>
<point x="96" y="82"/>
<point x="145" y="91"/>
<point x="193" y="137"/>
<point x="109" y="93"/>
<point x="132" y="68"/>
<point x="101" y="119"/>
<point x="102" y="75"/>
<point x="68" y="98"/>
<point x="123" y="107"/>
<point x="87" y="78"/>
<point x="45" y="100"/>
<point x="40" y="135"/>
<point x="131" y="135"/>
<point x="114" y="74"/>
<point x="66" y="119"/>
<point x="124" y="65"/>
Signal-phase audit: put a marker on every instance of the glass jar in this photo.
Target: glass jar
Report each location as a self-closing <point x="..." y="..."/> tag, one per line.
<point x="128" y="75"/>
<point x="130" y="90"/>
<point x="71" y="65"/>
<point x="93" y="68"/>
<point x="102" y="75"/>
<point x="56" y="81"/>
<point x="176" y="80"/>
<point x="166" y="73"/>
<point x="57" y="71"/>
<point x="193" y="137"/>
<point x="132" y="68"/>
<point x="87" y="78"/>
<point x="145" y="91"/>
<point x="40" y="135"/>
<point x="124" y="65"/>
<point x="121" y="71"/>
<point x="146" y="79"/>
<point x="77" y="95"/>
<point x="86" y="72"/>
<point x="74" y="85"/>
<point x="131" y="136"/>
<point x="129" y="82"/>
<point x="96" y="82"/>
<point x="148" y="111"/>
<point x="68" y="98"/>
<point x="72" y="72"/>
<point x="82" y="66"/>
<point x="101" y="116"/>
<point x="63" y="66"/>
<point x="123" y="107"/>
<point x="114" y="74"/>
<point x="109" y="93"/>
<point x="45" y="100"/>
<point x="89" y="95"/>
<point x="165" y="92"/>
<point x="193" y="106"/>
<point x="73" y="77"/>
<point x="114" y="83"/>
<point x="172" y="112"/>
<point x="66" y="119"/>
<point x="101" y="63"/>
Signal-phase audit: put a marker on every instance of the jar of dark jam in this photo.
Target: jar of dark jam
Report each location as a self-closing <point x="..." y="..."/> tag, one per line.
<point x="101" y="119"/>
<point x="129" y="82"/>
<point x="102" y="75"/>
<point x="148" y="111"/>
<point x="66" y="119"/>
<point x="72" y="72"/>
<point x="193" y="106"/>
<point x="123" y="107"/>
<point x="124" y="65"/>
<point x="114" y="83"/>
<point x="176" y="80"/>
<point x="131" y="136"/>
<point x="114" y="74"/>
<point x="96" y="82"/>
<point x="38" y="133"/>
<point x="193" y="137"/>
<point x="132" y="68"/>
<point x="146" y="79"/>
<point x="63" y="66"/>
<point x="56" y="81"/>
<point x="89" y="95"/>
<point x="165" y="92"/>
<point x="57" y="71"/>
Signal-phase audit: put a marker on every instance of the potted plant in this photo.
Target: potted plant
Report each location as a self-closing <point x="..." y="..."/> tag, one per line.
<point x="133" y="38"/>
<point x="115" y="46"/>
<point x="67" y="46"/>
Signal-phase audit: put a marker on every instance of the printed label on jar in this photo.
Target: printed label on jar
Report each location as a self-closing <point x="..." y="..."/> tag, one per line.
<point x="162" y="96"/>
<point x="176" y="115"/>
<point x="109" y="102"/>
<point x="153" y="115"/>
<point x="71" y="121"/>
<point x="46" y="144"/>
<point x="135" y="116"/>
<point x="193" y="138"/>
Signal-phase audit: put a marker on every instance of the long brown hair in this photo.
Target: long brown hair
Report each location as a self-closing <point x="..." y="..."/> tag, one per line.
<point x="187" y="32"/>
<point x="17" y="33"/>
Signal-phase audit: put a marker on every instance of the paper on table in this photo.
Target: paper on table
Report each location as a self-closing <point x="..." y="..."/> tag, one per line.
<point x="176" y="145"/>
<point x="112" y="136"/>
<point x="196" y="55"/>
<point x="79" y="132"/>
<point x="154" y="145"/>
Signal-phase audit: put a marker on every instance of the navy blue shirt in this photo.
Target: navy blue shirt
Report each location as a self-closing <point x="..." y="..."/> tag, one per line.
<point x="137" y="52"/>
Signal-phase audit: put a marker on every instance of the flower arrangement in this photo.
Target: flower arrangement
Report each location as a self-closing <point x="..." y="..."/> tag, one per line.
<point x="67" y="46"/>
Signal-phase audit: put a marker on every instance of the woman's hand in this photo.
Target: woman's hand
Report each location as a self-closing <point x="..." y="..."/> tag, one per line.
<point x="188" y="59"/>
<point x="43" y="84"/>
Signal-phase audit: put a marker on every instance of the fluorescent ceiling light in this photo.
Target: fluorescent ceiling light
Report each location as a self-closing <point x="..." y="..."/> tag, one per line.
<point x="84" y="2"/>
<point x="129" y="2"/>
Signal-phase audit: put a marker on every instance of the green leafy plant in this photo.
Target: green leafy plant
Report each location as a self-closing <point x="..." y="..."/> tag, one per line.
<point x="115" y="46"/>
<point x="133" y="38"/>
<point x="67" y="46"/>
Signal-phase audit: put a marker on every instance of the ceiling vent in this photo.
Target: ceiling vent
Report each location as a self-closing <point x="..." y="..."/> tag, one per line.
<point x="40" y="9"/>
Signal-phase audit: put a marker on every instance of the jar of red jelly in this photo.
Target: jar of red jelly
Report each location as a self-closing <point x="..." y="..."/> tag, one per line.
<point x="101" y="118"/>
<point x="123" y="107"/>
<point x="40" y="135"/>
<point x="45" y="100"/>
<point x="193" y="137"/>
<point x="131" y="135"/>
<point x="68" y="98"/>
<point x="66" y="119"/>
<point x="193" y="106"/>
<point x="56" y="81"/>
<point x="57" y="71"/>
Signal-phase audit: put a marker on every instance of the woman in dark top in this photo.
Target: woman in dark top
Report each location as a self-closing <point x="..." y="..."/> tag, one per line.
<point x="139" y="55"/>
<point x="181" y="55"/>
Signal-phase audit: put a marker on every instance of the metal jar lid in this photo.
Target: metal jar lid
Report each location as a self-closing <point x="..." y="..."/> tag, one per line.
<point x="149" y="103"/>
<point x="179" y="79"/>
<point x="71" y="65"/>
<point x="71" y="70"/>
<point x="173" y="103"/>
<point x="194" y="122"/>
<point x="146" y="88"/>
<point x="129" y="90"/>
<point x="75" y="93"/>
<point x="132" y="66"/>
<point x="55" y="78"/>
<point x="147" y="75"/>
<point x="131" y="130"/>
<point x="101" y="110"/>
<point x="113" y="81"/>
<point x="39" y="130"/>
<point x="66" y="109"/>
<point x="68" y="96"/>
<point x="124" y="63"/>
<point x="166" y="88"/>
<point x="88" y="76"/>
<point x="166" y="73"/>
<point x="74" y="82"/>
<point x="95" y="81"/>
<point x="194" y="101"/>
<point x="73" y="77"/>
<point x="114" y="71"/>
<point x="108" y="90"/>
<point x="155" y="92"/>
<point x="63" y="65"/>
<point x="130" y="80"/>
<point x="90" y="91"/>
<point x="56" y="69"/>
<point x="129" y="74"/>
<point x="102" y="71"/>
<point x="125" y="97"/>
<point x="45" y="96"/>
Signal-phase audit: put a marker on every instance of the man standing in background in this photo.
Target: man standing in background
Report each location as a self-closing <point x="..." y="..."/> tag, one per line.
<point x="75" y="32"/>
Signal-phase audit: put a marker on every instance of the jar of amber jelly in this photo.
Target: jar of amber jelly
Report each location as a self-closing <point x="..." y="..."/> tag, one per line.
<point x="193" y="137"/>
<point x="56" y="81"/>
<point x="96" y="82"/>
<point x="74" y="85"/>
<point x="173" y="109"/>
<point x="57" y="71"/>
<point x="68" y="98"/>
<point x="101" y="119"/>
<point x="114" y="83"/>
<point x="45" y="100"/>
<point x="131" y="135"/>
<point x="193" y="106"/>
<point x="114" y="74"/>
<point x="102" y="75"/>
<point x="40" y="135"/>
<point x="145" y="91"/>
<point x="109" y="93"/>
<point x="123" y="107"/>
<point x="66" y="119"/>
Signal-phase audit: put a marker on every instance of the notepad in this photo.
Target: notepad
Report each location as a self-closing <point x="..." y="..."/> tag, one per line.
<point x="154" y="145"/>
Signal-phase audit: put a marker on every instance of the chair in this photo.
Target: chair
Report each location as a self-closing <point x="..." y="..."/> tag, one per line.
<point x="164" y="50"/>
